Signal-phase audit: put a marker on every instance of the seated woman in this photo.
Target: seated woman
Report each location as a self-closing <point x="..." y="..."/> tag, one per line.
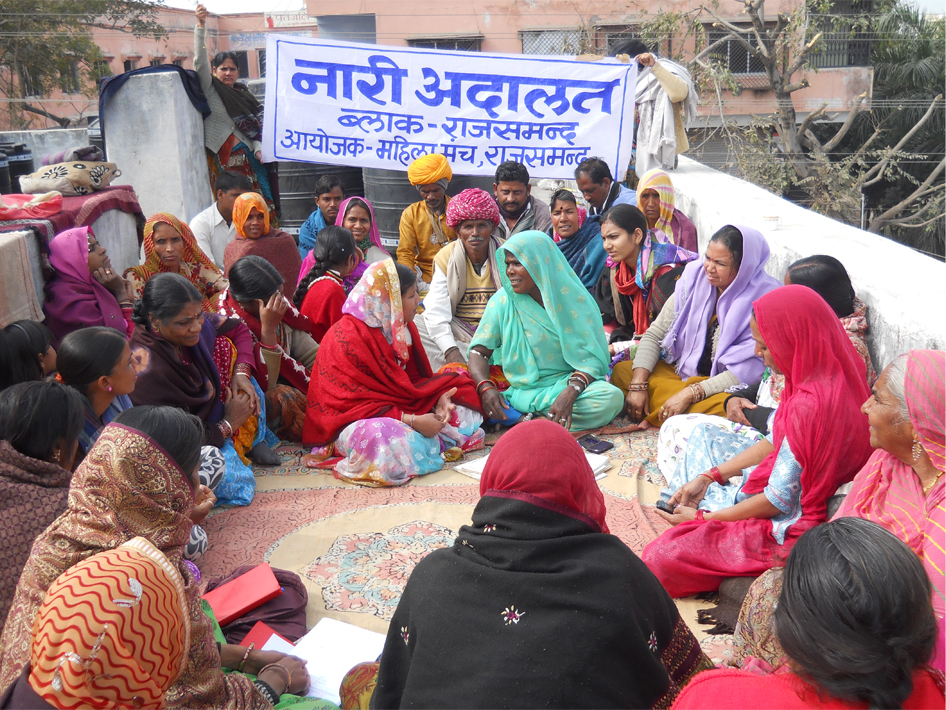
<point x="855" y="620"/>
<point x="97" y="363"/>
<point x="254" y="236"/>
<point x="202" y="363"/>
<point x="139" y="480"/>
<point x="39" y="426"/>
<point x="643" y="273"/>
<point x="26" y="353"/>
<point x="517" y="581"/>
<point x="704" y="331"/>
<point x="465" y="277"/>
<point x="84" y="290"/>
<point x="546" y="333"/>
<point x="170" y="247"/>
<point x="357" y="216"/>
<point x="655" y="197"/>
<point x="578" y="236"/>
<point x="749" y="411"/>
<point x="282" y="345"/>
<point x="901" y="487"/>
<point x="95" y="596"/>
<point x="373" y="398"/>
<point x="320" y="295"/>
<point x="808" y="455"/>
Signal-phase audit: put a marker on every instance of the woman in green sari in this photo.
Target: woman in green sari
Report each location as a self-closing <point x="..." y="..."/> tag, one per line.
<point x="544" y="329"/>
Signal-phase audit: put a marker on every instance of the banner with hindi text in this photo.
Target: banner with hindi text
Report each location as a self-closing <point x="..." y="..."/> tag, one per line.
<point x="382" y="107"/>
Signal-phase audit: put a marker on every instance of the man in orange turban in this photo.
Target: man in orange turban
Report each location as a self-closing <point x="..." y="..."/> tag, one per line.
<point x="424" y="229"/>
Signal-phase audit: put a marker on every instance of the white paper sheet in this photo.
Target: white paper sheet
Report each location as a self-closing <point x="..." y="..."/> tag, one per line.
<point x="279" y="645"/>
<point x="474" y="469"/>
<point x="330" y="650"/>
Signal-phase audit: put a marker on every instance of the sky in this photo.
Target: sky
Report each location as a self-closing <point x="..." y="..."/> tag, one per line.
<point x="224" y="6"/>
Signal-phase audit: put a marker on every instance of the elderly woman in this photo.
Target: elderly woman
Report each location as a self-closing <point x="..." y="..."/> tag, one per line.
<point x="901" y="487"/>
<point x="234" y="129"/>
<point x="744" y="528"/>
<point x="170" y="247"/>
<point x="139" y="480"/>
<point x="425" y="228"/>
<point x="856" y="622"/>
<point x="39" y="428"/>
<point x="536" y="566"/>
<point x="466" y="275"/>
<point x="203" y="364"/>
<point x="84" y="290"/>
<point x="254" y="236"/>
<point x="373" y="398"/>
<point x="704" y="331"/>
<point x="642" y="274"/>
<point x="655" y="197"/>
<point x="578" y="236"/>
<point x="546" y="333"/>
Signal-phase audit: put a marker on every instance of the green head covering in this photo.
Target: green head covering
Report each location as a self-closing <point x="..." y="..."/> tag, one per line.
<point x="570" y="312"/>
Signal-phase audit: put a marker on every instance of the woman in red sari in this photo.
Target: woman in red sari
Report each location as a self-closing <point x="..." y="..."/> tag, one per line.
<point x="819" y="441"/>
<point x="372" y="396"/>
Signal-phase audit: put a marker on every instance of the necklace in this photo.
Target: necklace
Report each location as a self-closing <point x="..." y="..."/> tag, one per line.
<point x="927" y="489"/>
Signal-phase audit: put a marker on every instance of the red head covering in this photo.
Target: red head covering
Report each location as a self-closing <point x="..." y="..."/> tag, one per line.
<point x="472" y="203"/>
<point x="541" y="463"/>
<point x="825" y="386"/>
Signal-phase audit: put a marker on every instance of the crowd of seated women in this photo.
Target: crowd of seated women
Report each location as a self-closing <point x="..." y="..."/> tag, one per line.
<point x="145" y="398"/>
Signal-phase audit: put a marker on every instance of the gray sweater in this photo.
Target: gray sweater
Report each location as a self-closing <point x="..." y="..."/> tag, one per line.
<point x="218" y="125"/>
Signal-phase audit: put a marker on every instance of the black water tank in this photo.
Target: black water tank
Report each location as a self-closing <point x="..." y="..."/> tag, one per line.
<point x="21" y="162"/>
<point x="297" y="190"/>
<point x="5" y="186"/>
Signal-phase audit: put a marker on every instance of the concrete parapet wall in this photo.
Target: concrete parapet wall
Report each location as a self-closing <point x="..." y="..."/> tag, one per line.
<point x="53" y="140"/>
<point x="905" y="291"/>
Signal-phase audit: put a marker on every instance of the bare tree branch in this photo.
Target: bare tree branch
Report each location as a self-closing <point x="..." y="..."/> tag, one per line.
<point x="802" y="57"/>
<point x="810" y="118"/>
<point x="878" y="169"/>
<point x="914" y="225"/>
<point x="846" y="126"/>
<point x="61" y="120"/>
<point x="791" y="88"/>
<point x="882" y="219"/>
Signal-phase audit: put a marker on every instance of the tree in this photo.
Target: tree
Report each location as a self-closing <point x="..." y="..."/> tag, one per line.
<point x="47" y="45"/>
<point x="834" y="164"/>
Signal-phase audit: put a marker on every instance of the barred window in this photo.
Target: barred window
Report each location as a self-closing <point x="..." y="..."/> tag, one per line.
<point x="156" y="62"/>
<point x="179" y="62"/>
<point x="70" y="80"/>
<point x="610" y="37"/>
<point x="130" y="64"/>
<point x="840" y="45"/>
<point x="565" y="41"/>
<point x="735" y="56"/>
<point x="465" y="43"/>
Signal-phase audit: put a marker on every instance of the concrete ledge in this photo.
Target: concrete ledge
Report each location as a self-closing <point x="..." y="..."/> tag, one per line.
<point x="904" y="290"/>
<point x="46" y="142"/>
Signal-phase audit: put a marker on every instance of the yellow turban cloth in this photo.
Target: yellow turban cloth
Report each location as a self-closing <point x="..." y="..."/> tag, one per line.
<point x="428" y="169"/>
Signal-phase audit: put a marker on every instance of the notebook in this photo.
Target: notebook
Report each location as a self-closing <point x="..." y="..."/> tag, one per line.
<point x="474" y="469"/>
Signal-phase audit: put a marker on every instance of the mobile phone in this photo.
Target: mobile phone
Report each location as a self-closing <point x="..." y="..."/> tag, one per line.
<point x="594" y="445"/>
<point x="664" y="506"/>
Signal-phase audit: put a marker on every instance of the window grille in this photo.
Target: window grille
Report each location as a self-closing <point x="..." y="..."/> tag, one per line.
<point x="551" y="41"/>
<point x="747" y="68"/>
<point x="261" y="61"/>
<point x="179" y="62"/>
<point x="130" y="64"/>
<point x="156" y="62"/>
<point x="458" y="44"/>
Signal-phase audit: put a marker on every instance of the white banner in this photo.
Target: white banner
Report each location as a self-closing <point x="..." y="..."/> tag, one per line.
<point x="382" y="107"/>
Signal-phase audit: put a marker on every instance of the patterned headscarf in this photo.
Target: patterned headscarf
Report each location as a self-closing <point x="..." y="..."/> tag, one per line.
<point x="376" y="301"/>
<point x="88" y="637"/>
<point x="153" y="265"/>
<point x="241" y="210"/>
<point x="428" y="169"/>
<point x="658" y="180"/>
<point x="472" y="203"/>
<point x="374" y="234"/>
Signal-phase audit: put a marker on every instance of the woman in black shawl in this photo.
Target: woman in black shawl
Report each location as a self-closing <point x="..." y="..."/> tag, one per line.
<point x="536" y="604"/>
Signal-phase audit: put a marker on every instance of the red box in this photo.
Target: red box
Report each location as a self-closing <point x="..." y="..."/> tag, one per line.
<point x="238" y="596"/>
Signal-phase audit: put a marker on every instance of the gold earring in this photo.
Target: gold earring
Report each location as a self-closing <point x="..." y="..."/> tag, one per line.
<point x="917" y="448"/>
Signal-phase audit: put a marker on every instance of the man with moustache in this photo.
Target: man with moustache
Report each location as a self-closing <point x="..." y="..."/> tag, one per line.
<point x="424" y="230"/>
<point x="520" y="211"/>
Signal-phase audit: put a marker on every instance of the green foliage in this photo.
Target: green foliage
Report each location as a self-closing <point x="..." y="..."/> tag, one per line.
<point x="46" y="44"/>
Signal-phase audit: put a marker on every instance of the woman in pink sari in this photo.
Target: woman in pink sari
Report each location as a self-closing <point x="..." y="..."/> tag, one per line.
<point x="901" y="487"/>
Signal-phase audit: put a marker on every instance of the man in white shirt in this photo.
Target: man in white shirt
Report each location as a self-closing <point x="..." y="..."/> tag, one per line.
<point x="213" y="228"/>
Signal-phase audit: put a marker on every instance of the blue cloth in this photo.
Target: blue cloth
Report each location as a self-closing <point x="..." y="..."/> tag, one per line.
<point x="239" y="483"/>
<point x="585" y="252"/>
<point x="625" y="196"/>
<point x="309" y="231"/>
<point x="92" y="424"/>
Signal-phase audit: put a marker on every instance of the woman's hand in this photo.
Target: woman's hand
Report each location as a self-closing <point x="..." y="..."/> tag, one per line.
<point x="271" y="314"/>
<point x="453" y="355"/>
<point x="678" y="404"/>
<point x="299" y="674"/>
<point x="428" y="425"/>
<point x="681" y="514"/>
<point x="561" y="410"/>
<point x="130" y="291"/>
<point x="259" y="155"/>
<point x="646" y="60"/>
<point x="111" y="280"/>
<point x="691" y="492"/>
<point x="243" y="384"/>
<point x="734" y="408"/>
<point x="494" y="404"/>
<point x="637" y="405"/>
<point x="201" y="13"/>
<point x="238" y="409"/>
<point x="445" y="406"/>
<point x="204" y="500"/>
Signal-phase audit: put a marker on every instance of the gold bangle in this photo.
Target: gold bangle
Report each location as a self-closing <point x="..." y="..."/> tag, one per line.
<point x="282" y="668"/>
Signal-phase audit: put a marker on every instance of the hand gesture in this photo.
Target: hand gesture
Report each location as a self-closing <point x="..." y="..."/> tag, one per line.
<point x="681" y="514"/>
<point x="237" y="409"/>
<point x="561" y="410"/>
<point x="691" y="492"/>
<point x="271" y="314"/>
<point x="445" y="406"/>
<point x="204" y="500"/>
<point x="130" y="291"/>
<point x="637" y="406"/>
<point x="299" y="674"/>
<point x="427" y="425"/>
<point x="646" y="60"/>
<point x="110" y="279"/>
<point x="678" y="404"/>
<point x="243" y="385"/>
<point x="494" y="404"/>
<point x="201" y="13"/>
<point x="734" y="408"/>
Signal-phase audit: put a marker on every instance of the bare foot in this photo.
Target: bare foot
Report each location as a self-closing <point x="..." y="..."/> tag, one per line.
<point x="263" y="455"/>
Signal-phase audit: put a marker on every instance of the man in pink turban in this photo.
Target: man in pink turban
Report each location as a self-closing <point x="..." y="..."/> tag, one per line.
<point x="465" y="275"/>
